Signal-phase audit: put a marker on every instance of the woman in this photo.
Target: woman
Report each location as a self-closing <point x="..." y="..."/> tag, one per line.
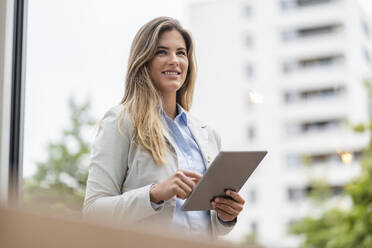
<point x="148" y="152"/>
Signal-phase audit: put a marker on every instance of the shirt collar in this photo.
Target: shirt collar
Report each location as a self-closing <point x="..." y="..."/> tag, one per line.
<point x="181" y="114"/>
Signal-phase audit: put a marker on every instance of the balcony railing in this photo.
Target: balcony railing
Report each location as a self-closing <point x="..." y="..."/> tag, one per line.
<point x="287" y="5"/>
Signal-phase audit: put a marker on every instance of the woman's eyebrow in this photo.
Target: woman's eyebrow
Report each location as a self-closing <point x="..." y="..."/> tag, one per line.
<point x="162" y="47"/>
<point x="167" y="48"/>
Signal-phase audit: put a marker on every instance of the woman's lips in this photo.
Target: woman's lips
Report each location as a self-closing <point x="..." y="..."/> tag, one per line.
<point x="171" y="74"/>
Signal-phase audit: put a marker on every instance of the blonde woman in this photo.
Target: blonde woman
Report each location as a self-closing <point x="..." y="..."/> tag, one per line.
<point x="149" y="152"/>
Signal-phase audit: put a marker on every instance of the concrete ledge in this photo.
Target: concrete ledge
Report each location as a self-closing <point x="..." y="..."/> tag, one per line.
<point x="27" y="229"/>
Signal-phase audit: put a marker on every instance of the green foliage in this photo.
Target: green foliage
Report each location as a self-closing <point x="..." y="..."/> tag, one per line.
<point x="60" y="180"/>
<point x="351" y="228"/>
<point x="360" y="128"/>
<point x="320" y="191"/>
<point x="251" y="240"/>
<point x="320" y="232"/>
<point x="306" y="160"/>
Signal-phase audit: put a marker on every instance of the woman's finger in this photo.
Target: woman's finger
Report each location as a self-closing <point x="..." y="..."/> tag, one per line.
<point x="192" y="174"/>
<point x="227" y="208"/>
<point x="186" y="180"/>
<point x="225" y="216"/>
<point x="181" y="192"/>
<point x="235" y="196"/>
<point x="232" y="203"/>
<point x="195" y="180"/>
<point x="183" y="186"/>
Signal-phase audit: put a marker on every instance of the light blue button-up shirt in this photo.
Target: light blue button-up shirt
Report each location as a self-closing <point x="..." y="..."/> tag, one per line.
<point x="189" y="158"/>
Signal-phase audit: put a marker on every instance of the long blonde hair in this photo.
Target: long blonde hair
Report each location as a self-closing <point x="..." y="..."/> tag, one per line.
<point x="142" y="100"/>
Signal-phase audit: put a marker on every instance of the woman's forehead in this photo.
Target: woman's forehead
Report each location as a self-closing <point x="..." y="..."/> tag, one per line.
<point x="171" y="38"/>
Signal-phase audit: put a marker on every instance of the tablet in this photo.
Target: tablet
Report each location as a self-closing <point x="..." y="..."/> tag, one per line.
<point x="229" y="170"/>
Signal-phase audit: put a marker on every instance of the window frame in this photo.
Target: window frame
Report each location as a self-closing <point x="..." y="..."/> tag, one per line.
<point x="12" y="91"/>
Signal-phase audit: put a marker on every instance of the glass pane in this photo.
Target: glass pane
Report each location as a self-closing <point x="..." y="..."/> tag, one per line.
<point x="304" y="97"/>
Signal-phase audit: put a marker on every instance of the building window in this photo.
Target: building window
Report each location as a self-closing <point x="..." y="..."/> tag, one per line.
<point x="313" y="63"/>
<point x="293" y="160"/>
<point x="251" y="133"/>
<point x="320" y="125"/>
<point x="295" y="4"/>
<point x="297" y="194"/>
<point x="306" y="3"/>
<point x="254" y="227"/>
<point x="289" y="35"/>
<point x="313" y="94"/>
<point x="290" y="97"/>
<point x="366" y="29"/>
<point x="249" y="70"/>
<point x="287" y="5"/>
<point x="358" y="155"/>
<point x="252" y="196"/>
<point x="320" y="159"/>
<point x="323" y="158"/>
<point x="248" y="41"/>
<point x="313" y="127"/>
<point x="307" y="32"/>
<point x="247" y="11"/>
<point x="367" y="56"/>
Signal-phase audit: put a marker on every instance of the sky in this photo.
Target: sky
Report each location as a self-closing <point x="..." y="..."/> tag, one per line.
<point x="80" y="48"/>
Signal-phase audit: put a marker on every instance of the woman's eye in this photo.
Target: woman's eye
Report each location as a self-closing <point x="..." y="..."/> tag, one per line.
<point x="182" y="53"/>
<point x="160" y="52"/>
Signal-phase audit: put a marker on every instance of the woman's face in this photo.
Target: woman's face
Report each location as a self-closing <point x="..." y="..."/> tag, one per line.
<point x="168" y="69"/>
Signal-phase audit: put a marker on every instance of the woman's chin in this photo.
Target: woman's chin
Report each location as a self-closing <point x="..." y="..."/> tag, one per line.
<point x="171" y="87"/>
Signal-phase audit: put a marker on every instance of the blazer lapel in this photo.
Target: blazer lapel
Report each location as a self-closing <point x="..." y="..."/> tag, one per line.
<point x="170" y="140"/>
<point x="200" y="133"/>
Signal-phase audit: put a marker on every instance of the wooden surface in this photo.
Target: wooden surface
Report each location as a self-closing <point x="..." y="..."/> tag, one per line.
<point x="21" y="229"/>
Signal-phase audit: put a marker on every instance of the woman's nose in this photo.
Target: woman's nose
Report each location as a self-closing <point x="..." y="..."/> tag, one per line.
<point x="173" y="59"/>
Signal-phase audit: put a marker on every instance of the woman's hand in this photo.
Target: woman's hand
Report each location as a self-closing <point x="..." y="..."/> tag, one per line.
<point x="180" y="184"/>
<point x="228" y="209"/>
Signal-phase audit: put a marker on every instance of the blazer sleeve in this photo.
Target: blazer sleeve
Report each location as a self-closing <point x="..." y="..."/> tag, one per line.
<point x="219" y="227"/>
<point x="107" y="172"/>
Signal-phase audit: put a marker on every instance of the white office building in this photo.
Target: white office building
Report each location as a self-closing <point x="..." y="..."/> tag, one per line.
<point x="284" y="76"/>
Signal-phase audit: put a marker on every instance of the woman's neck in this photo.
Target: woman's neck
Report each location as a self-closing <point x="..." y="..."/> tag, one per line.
<point x="170" y="106"/>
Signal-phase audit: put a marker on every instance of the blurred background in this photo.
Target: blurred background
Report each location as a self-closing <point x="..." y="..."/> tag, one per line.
<point x="288" y="76"/>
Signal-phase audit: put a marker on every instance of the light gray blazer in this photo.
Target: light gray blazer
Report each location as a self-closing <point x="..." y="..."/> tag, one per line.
<point x="121" y="173"/>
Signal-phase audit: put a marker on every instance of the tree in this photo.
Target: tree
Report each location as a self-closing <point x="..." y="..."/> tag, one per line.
<point x="340" y="228"/>
<point x="60" y="180"/>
